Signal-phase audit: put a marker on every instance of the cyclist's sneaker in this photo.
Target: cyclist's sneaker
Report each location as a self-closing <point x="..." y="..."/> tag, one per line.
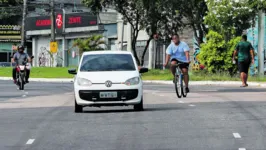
<point x="187" y="90"/>
<point x="27" y="81"/>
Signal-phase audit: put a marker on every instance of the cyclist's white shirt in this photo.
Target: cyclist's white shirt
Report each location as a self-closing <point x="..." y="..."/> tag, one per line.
<point x="178" y="52"/>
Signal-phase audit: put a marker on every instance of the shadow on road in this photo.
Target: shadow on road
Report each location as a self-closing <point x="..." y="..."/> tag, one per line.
<point x="129" y="110"/>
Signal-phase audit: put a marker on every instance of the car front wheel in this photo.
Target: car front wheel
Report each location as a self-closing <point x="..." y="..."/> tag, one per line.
<point x="78" y="108"/>
<point x="139" y="107"/>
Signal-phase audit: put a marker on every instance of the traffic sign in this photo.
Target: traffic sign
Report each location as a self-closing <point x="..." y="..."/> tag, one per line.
<point x="53" y="47"/>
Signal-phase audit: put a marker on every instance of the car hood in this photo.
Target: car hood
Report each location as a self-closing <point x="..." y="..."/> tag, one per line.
<point x="114" y="76"/>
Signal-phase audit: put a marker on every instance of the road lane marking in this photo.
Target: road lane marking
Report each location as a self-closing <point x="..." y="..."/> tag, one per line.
<point x="180" y="102"/>
<point x="192" y="105"/>
<point x="24" y="95"/>
<point x="161" y="95"/>
<point x="237" y="135"/>
<point x="30" y="141"/>
<point x="241" y="149"/>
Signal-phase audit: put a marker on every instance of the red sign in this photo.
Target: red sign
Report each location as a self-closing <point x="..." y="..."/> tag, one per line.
<point x="93" y="22"/>
<point x="59" y="21"/>
<point x="41" y="23"/>
<point x="74" y="20"/>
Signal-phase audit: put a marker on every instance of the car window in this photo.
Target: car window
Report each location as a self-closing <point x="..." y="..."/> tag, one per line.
<point x="107" y="62"/>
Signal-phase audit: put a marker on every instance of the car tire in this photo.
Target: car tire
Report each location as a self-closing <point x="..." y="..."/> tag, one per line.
<point x="139" y="107"/>
<point x="78" y="108"/>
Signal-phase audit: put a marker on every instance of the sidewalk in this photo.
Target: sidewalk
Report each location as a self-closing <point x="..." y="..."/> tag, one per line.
<point x="65" y="80"/>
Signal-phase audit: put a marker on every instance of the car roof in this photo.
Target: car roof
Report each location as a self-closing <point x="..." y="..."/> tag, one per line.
<point x="106" y="52"/>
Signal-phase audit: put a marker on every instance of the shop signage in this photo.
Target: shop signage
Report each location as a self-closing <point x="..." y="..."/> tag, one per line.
<point x="71" y="21"/>
<point x="10" y="30"/>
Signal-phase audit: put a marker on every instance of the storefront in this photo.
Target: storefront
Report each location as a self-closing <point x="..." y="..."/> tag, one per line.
<point x="9" y="36"/>
<point x="68" y="28"/>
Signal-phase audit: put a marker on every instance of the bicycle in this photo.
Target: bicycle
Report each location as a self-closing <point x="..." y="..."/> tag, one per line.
<point x="179" y="82"/>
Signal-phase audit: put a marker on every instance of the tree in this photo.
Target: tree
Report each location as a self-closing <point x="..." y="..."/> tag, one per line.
<point x="153" y="16"/>
<point x="161" y="19"/>
<point x="216" y="53"/>
<point x="230" y="18"/>
<point x="193" y="12"/>
<point x="132" y="11"/>
<point x="92" y="43"/>
<point x="10" y="8"/>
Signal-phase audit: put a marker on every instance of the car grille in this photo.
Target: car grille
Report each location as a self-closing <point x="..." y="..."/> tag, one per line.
<point x="122" y="95"/>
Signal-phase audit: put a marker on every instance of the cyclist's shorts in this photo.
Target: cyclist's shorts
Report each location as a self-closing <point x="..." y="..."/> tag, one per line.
<point x="183" y="65"/>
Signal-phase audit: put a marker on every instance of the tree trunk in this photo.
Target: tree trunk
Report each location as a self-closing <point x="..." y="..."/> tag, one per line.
<point x="145" y="50"/>
<point x="134" y="41"/>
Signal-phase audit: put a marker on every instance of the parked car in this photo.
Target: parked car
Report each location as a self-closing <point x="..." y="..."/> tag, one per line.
<point x="108" y="78"/>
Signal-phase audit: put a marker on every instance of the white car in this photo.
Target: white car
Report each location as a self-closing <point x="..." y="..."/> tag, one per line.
<point x="108" y="78"/>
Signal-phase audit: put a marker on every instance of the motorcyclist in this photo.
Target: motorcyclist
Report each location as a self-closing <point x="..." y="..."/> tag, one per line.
<point x="20" y="58"/>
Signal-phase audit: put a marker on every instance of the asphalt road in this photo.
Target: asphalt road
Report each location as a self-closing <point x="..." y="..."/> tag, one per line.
<point x="210" y="118"/>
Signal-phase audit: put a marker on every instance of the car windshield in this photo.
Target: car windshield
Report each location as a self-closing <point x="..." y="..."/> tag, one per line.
<point x="107" y="62"/>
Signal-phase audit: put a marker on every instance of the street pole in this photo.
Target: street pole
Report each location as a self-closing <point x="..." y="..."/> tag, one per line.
<point x="261" y="42"/>
<point x="64" y="39"/>
<point x="164" y="51"/>
<point x="52" y="21"/>
<point x="23" y="32"/>
<point x="122" y="36"/>
<point x="129" y="37"/>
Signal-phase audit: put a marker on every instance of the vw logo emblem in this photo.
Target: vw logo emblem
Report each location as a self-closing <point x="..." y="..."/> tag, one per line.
<point x="108" y="83"/>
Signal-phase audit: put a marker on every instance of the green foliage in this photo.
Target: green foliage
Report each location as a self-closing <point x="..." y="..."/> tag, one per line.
<point x="10" y="8"/>
<point x="230" y="18"/>
<point x="216" y="53"/>
<point x="92" y="43"/>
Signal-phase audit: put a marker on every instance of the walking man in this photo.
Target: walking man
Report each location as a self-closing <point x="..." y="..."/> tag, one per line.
<point x="245" y="52"/>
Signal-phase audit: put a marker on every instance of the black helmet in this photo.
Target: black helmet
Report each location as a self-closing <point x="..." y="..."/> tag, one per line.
<point x="21" y="47"/>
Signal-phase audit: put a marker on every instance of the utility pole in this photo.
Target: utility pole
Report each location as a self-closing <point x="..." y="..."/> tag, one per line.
<point x="52" y="21"/>
<point x="261" y="42"/>
<point x="129" y="37"/>
<point x="122" y="36"/>
<point x="23" y="32"/>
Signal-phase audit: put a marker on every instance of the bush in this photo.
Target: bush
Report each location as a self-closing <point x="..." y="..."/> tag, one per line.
<point x="216" y="53"/>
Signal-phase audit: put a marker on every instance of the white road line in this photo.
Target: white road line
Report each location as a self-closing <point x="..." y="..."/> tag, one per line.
<point x="241" y="149"/>
<point x="24" y="95"/>
<point x="30" y="141"/>
<point x="237" y="135"/>
<point x="180" y="102"/>
<point x="161" y="95"/>
<point x="192" y="105"/>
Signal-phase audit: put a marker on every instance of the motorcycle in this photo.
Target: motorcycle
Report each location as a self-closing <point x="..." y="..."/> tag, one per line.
<point x="21" y="74"/>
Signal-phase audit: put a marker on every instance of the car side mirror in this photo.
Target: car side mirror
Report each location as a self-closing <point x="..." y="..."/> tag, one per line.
<point x="143" y="70"/>
<point x="72" y="71"/>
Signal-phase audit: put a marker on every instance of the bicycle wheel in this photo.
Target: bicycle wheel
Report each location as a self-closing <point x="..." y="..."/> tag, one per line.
<point x="178" y="88"/>
<point x="184" y="93"/>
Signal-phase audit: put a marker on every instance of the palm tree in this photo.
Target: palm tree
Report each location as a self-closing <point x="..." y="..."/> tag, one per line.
<point x="92" y="43"/>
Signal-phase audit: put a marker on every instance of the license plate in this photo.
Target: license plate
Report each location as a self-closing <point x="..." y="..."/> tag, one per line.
<point x="108" y="94"/>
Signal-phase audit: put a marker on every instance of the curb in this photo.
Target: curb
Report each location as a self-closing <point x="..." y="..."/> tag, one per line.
<point x="64" y="80"/>
<point x="208" y="83"/>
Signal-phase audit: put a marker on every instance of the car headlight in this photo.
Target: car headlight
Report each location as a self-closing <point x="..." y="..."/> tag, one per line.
<point x="83" y="82"/>
<point x="132" y="81"/>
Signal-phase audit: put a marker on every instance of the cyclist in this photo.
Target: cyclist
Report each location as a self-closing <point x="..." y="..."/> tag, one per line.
<point x="19" y="58"/>
<point x="178" y="52"/>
